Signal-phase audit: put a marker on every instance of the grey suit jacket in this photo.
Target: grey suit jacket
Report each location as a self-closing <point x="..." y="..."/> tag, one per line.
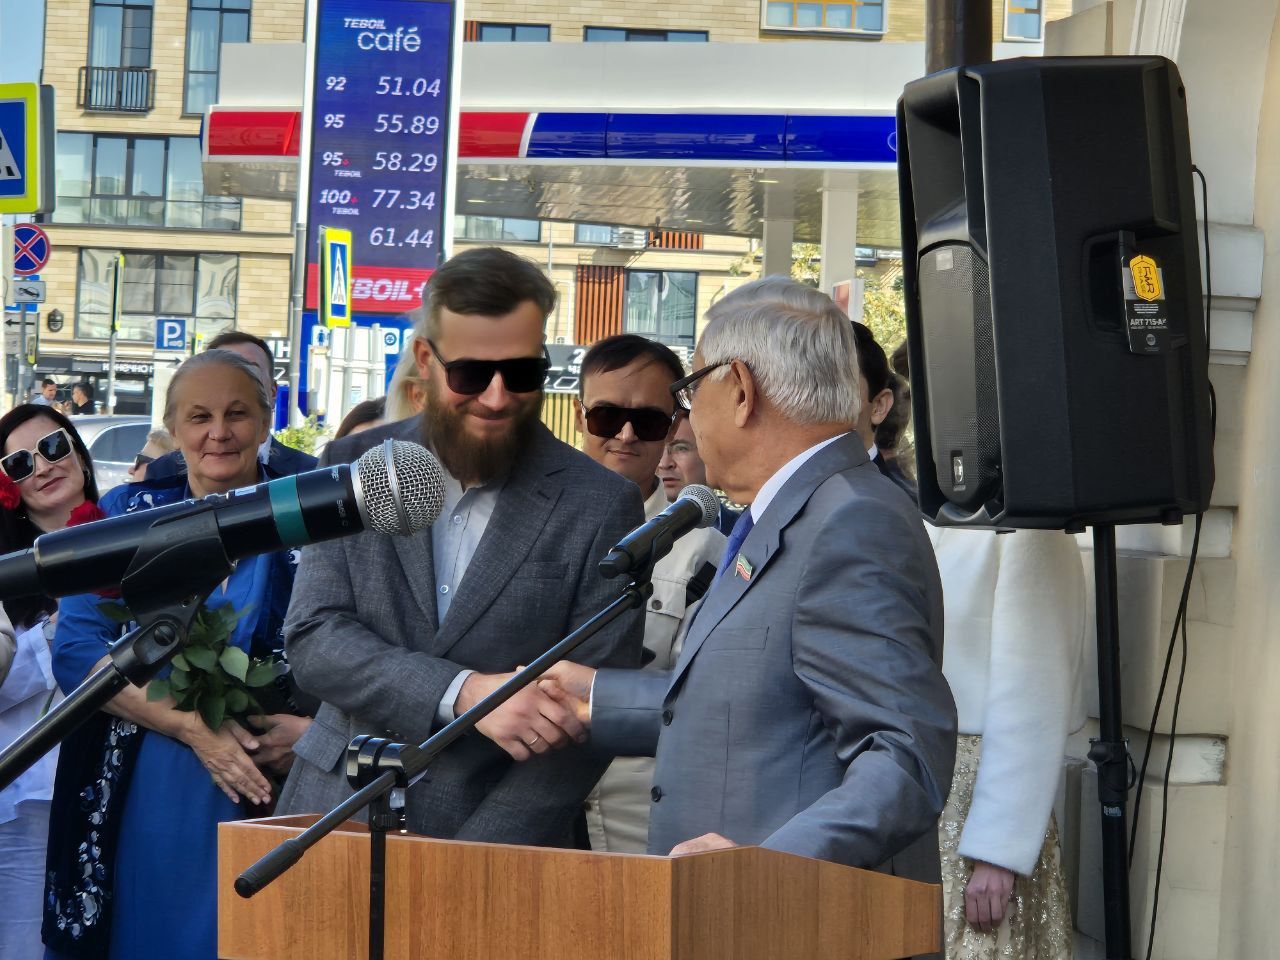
<point x="362" y="636"/>
<point x="807" y="711"/>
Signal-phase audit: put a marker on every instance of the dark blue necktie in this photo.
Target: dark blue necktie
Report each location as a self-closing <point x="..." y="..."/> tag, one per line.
<point x="737" y="536"/>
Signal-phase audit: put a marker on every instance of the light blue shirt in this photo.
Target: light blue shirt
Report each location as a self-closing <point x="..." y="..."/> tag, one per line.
<point x="455" y="537"/>
<point x="787" y="471"/>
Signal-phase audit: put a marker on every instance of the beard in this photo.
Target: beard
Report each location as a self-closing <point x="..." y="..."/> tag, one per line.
<point x="470" y="459"/>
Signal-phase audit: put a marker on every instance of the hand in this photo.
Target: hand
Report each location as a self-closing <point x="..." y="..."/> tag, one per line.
<point x="280" y="731"/>
<point x="708" y="841"/>
<point x="224" y="754"/>
<point x="987" y="895"/>
<point x="530" y="722"/>
<point x="570" y="684"/>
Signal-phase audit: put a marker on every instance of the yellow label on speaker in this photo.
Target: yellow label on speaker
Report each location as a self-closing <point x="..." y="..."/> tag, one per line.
<point x="1146" y="278"/>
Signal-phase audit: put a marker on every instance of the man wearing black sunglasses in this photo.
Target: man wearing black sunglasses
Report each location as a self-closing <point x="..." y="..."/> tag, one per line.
<point x="403" y="634"/>
<point x="625" y="415"/>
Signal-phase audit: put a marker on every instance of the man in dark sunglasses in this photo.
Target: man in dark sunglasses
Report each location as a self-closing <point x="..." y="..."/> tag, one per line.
<point x="625" y="416"/>
<point x="404" y="634"/>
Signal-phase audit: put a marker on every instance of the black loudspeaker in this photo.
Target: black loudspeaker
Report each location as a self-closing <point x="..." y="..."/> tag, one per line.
<point x="1055" y="321"/>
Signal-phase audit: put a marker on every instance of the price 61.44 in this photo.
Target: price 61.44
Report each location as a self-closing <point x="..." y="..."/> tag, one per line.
<point x="386" y="237"/>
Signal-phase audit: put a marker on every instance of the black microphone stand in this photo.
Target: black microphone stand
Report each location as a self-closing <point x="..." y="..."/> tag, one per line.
<point x="177" y="565"/>
<point x="381" y="771"/>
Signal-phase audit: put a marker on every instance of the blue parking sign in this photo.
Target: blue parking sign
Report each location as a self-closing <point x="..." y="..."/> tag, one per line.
<point x="171" y="333"/>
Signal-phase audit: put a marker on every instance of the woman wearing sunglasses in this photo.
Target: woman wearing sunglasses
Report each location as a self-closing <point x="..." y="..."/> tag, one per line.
<point x="45" y="474"/>
<point x="132" y="865"/>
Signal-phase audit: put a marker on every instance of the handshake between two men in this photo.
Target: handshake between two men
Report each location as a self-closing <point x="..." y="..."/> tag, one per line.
<point x="551" y="713"/>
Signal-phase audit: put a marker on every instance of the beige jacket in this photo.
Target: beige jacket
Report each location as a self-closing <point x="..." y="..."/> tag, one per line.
<point x="618" y="808"/>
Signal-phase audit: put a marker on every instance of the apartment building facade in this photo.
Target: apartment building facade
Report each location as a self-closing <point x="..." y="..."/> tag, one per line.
<point x="134" y="77"/>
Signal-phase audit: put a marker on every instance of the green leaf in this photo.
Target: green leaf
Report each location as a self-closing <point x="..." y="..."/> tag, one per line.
<point x="187" y="700"/>
<point x="180" y="663"/>
<point x="179" y="680"/>
<point x="157" y="690"/>
<point x="213" y="710"/>
<point x="116" y="612"/>
<point x="236" y="662"/>
<point x="237" y="701"/>
<point x="202" y="658"/>
<point x="261" y="673"/>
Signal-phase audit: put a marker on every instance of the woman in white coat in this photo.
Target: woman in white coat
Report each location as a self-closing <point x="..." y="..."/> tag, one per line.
<point x="1015" y="615"/>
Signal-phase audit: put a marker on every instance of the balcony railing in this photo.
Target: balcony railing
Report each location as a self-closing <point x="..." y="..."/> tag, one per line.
<point x="117" y="89"/>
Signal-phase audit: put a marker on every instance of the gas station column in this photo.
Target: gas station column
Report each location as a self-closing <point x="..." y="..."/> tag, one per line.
<point x="839" y="227"/>
<point x="779" y="230"/>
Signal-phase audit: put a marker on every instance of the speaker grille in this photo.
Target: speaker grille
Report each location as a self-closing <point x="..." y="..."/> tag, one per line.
<point x="959" y="353"/>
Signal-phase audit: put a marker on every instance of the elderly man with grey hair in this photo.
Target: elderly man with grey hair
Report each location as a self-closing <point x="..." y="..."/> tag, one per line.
<point x="807" y="711"/>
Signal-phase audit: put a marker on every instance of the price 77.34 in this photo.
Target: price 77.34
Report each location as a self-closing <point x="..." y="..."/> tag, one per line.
<point x="408" y="162"/>
<point x="404" y="199"/>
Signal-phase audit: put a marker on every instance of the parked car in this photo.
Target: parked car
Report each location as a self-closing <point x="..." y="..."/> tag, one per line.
<point x="113" y="442"/>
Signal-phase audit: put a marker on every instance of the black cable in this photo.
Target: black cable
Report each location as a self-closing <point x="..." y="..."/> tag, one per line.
<point x="1179" y="623"/>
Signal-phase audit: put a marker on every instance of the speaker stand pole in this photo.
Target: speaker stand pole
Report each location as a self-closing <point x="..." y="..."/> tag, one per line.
<point x="1109" y="752"/>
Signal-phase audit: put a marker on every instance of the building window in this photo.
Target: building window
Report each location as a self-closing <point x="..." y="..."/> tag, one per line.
<point x="1023" y="19"/>
<point x="497" y="229"/>
<point x="120" y="33"/>
<point x="137" y="181"/>
<point x="846" y="16"/>
<point x="199" y="287"/>
<point x="662" y="305"/>
<point x="625" y="34"/>
<point x="210" y="23"/>
<point x="594" y="234"/>
<point x="512" y="32"/>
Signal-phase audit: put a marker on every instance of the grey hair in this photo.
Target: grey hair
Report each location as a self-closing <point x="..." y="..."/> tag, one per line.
<point x="161" y="438"/>
<point x="213" y="358"/>
<point x="797" y="343"/>
<point x="400" y="405"/>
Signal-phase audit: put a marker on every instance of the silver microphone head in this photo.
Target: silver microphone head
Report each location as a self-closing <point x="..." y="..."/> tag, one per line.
<point x="706" y="498"/>
<point x="399" y="487"/>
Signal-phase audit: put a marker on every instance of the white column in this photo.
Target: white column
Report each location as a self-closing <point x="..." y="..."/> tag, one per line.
<point x="839" y="228"/>
<point x="778" y="236"/>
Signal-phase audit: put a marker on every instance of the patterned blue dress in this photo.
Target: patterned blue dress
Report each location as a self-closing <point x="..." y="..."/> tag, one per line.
<point x="160" y="900"/>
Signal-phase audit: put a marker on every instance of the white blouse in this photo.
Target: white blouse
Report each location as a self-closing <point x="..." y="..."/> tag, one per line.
<point x="1014" y="642"/>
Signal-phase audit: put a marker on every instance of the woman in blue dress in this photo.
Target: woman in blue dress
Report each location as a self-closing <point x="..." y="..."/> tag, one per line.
<point x="133" y="875"/>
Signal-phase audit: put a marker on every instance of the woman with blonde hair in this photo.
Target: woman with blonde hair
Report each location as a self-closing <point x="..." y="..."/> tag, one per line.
<point x="132" y="865"/>
<point x="406" y="395"/>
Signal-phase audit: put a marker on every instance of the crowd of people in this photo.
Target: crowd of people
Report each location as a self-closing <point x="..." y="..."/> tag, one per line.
<point x="784" y="685"/>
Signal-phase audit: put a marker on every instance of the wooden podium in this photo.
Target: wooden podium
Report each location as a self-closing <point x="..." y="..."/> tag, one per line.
<point x="449" y="900"/>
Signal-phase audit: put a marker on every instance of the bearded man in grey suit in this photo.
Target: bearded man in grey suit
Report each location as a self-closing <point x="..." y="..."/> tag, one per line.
<point x="807" y="711"/>
<point x="398" y="635"/>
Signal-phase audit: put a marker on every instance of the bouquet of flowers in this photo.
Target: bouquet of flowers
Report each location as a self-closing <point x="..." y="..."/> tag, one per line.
<point x="211" y="675"/>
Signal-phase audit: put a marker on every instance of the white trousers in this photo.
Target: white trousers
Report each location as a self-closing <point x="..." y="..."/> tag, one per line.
<point x="22" y="849"/>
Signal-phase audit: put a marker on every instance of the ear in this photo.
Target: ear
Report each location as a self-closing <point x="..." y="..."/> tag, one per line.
<point x="422" y="357"/>
<point x="746" y="395"/>
<point x="578" y="421"/>
<point x="881" y="404"/>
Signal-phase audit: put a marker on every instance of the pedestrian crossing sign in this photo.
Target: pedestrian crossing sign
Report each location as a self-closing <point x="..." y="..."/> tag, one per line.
<point x="335" y="277"/>
<point x="26" y="148"/>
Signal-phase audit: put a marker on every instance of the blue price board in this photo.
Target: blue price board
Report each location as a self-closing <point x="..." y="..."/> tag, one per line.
<point x="379" y="143"/>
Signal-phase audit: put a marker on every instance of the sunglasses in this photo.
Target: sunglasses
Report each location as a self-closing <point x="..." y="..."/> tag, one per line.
<point x="52" y="447"/>
<point x="141" y="460"/>
<point x="606" y="420"/>
<point x="472" y="377"/>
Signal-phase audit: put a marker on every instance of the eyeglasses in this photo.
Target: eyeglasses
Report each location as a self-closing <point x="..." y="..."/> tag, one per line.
<point x="684" y="388"/>
<point x="607" y="420"/>
<point x="471" y="377"/>
<point x="141" y="460"/>
<point x="52" y="447"/>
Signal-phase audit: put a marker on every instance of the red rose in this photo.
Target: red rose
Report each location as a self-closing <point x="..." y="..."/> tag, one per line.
<point x="87" y="512"/>
<point x="10" y="495"/>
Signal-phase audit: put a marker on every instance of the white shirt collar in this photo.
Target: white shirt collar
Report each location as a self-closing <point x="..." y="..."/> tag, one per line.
<point x="656" y="503"/>
<point x="774" y="483"/>
<point x="872" y="452"/>
<point x="264" y="450"/>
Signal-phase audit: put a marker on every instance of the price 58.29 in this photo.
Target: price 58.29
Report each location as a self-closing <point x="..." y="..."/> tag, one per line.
<point x="407" y="162"/>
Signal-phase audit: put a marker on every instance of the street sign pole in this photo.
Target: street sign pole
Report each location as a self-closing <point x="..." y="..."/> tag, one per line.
<point x="116" y="290"/>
